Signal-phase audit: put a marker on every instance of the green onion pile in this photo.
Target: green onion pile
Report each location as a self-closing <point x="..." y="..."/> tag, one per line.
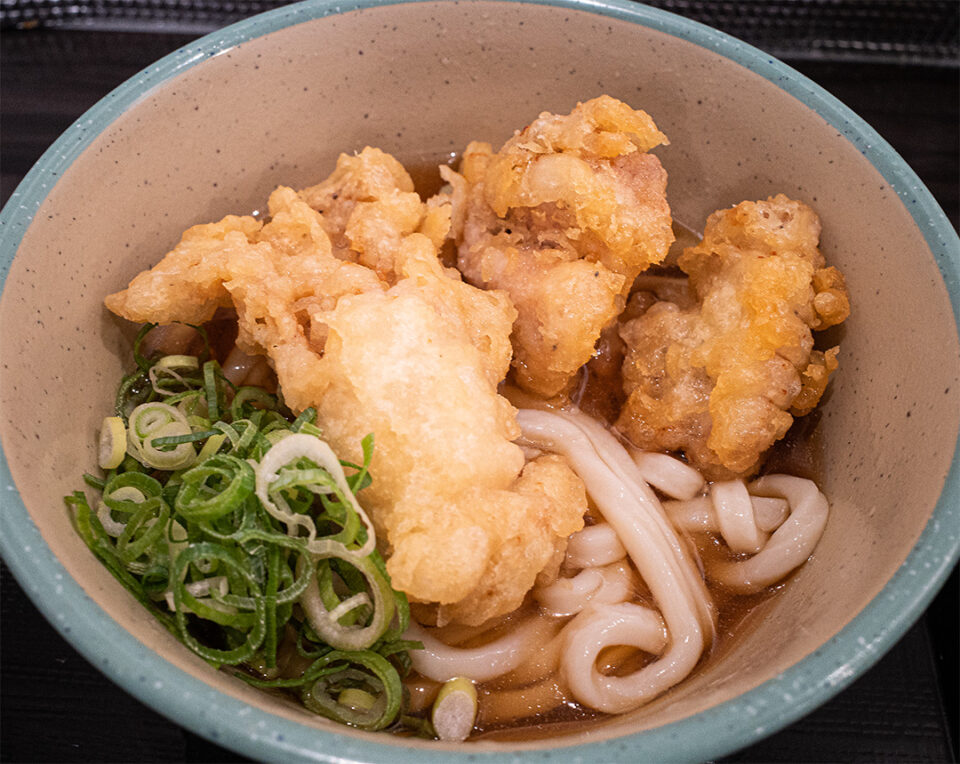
<point x="234" y="523"/>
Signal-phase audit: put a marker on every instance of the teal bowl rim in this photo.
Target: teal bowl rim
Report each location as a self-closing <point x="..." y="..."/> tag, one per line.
<point x="714" y="732"/>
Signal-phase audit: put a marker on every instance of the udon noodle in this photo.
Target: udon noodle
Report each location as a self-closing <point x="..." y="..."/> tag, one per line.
<point x="777" y="520"/>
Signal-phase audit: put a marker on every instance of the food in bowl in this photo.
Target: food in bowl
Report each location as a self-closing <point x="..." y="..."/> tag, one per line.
<point x="538" y="560"/>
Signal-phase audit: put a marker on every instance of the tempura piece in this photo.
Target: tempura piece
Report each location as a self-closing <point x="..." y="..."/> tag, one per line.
<point x="368" y="206"/>
<point x="418" y="366"/>
<point x="563" y="217"/>
<point x="402" y="349"/>
<point x="720" y="380"/>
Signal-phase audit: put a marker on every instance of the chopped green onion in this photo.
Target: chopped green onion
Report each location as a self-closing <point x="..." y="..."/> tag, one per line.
<point x="247" y="398"/>
<point x="325" y="622"/>
<point x="157" y="420"/>
<point x="358" y="700"/>
<point x="113" y="442"/>
<point x="178" y="362"/>
<point x="257" y="536"/>
<point x="455" y="710"/>
<point x="370" y="673"/>
<point x="214" y="488"/>
<point x="93" y="481"/>
<point x="211" y="386"/>
<point x="176" y="440"/>
<point x="138" y="359"/>
<point x="307" y="416"/>
<point x="182" y="596"/>
<point x="211" y="446"/>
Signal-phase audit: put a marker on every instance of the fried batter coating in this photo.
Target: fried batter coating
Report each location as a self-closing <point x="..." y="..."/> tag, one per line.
<point x="379" y="337"/>
<point x="563" y="217"/>
<point x="368" y="206"/>
<point x="199" y="261"/>
<point x="720" y="380"/>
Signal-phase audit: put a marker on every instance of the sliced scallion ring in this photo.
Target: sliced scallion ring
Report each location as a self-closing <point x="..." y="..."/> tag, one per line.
<point x="455" y="710"/>
<point x="214" y="487"/>
<point x="158" y="420"/>
<point x="178" y="362"/>
<point x="294" y="447"/>
<point x="326" y="622"/>
<point x="113" y="442"/>
<point x="369" y="673"/>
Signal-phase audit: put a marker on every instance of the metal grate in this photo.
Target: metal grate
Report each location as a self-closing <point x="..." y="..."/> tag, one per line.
<point x="901" y="28"/>
<point x="913" y="31"/>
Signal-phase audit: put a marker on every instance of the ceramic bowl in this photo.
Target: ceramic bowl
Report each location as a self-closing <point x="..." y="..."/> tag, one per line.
<point x="212" y="128"/>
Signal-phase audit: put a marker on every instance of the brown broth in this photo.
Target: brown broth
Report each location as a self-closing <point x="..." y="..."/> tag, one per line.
<point x="800" y="452"/>
<point x="600" y="393"/>
<point x="222" y="335"/>
<point x="221" y="332"/>
<point x="568" y="718"/>
<point x="423" y="170"/>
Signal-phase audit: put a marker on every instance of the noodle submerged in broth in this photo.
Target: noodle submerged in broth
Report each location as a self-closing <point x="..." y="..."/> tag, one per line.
<point x="551" y="405"/>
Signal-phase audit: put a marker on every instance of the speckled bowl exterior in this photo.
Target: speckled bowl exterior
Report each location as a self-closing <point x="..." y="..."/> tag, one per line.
<point x="212" y="128"/>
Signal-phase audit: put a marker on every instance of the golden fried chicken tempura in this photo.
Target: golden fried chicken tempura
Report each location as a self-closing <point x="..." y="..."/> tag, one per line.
<point x="374" y="333"/>
<point x="368" y="205"/>
<point x="720" y="380"/>
<point x="563" y="217"/>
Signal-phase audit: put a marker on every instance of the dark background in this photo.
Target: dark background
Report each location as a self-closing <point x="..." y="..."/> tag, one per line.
<point x="894" y="63"/>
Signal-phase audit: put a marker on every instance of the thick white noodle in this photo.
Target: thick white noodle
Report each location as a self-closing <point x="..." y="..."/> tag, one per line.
<point x="604" y="626"/>
<point x="441" y="662"/>
<point x="169" y="339"/>
<point x="539" y="665"/>
<point x="591" y="586"/>
<point x="593" y="546"/>
<point x="790" y="545"/>
<point x="260" y="375"/>
<point x="698" y="516"/>
<point x="693" y="515"/>
<point x="630" y="506"/>
<point x="530" y="453"/>
<point x="770" y="512"/>
<point x="731" y="502"/>
<point x="612" y="452"/>
<point x="668" y="474"/>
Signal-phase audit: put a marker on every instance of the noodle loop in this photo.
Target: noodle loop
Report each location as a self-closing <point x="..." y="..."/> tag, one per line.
<point x="795" y="513"/>
<point x="790" y="545"/>
<point x="608" y="626"/>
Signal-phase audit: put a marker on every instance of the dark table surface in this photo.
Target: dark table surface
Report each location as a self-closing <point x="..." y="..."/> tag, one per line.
<point x="55" y="707"/>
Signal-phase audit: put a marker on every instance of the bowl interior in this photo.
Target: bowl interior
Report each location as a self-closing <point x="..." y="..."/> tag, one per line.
<point x="420" y="80"/>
